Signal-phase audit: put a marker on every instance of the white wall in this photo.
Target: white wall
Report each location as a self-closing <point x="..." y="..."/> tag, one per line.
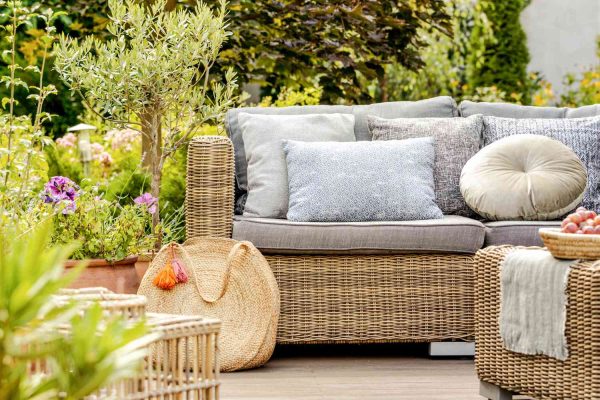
<point x="561" y="36"/>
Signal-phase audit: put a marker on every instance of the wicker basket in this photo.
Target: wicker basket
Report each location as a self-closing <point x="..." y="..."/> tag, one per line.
<point x="571" y="246"/>
<point x="168" y="372"/>
<point x="540" y="377"/>
<point x="127" y="305"/>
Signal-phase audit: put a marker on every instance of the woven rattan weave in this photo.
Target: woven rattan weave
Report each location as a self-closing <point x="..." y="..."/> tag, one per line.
<point x="183" y="360"/>
<point x="209" y="191"/>
<point x="169" y="372"/>
<point x="125" y="305"/>
<point x="344" y="299"/>
<point x="230" y="281"/>
<point x="540" y="376"/>
<point x="571" y="246"/>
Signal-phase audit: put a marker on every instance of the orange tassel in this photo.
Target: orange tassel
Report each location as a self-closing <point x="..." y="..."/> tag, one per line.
<point x="165" y="279"/>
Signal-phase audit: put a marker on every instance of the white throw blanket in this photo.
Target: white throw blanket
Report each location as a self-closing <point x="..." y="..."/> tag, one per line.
<point x="534" y="303"/>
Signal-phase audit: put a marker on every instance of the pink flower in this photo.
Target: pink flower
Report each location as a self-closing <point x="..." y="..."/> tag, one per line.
<point x="123" y="138"/>
<point x="97" y="150"/>
<point x="148" y="200"/>
<point x="66" y="141"/>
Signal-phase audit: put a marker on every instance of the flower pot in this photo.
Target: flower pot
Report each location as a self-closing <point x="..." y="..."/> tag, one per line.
<point x="118" y="276"/>
<point x="143" y="263"/>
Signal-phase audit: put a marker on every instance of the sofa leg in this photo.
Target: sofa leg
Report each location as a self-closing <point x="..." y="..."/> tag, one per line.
<point x="451" y="349"/>
<point x="493" y="392"/>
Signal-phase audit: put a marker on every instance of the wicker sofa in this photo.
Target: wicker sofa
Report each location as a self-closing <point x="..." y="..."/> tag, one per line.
<point x="359" y="282"/>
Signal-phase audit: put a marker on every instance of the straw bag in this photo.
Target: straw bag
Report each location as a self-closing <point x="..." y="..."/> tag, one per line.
<point x="228" y="280"/>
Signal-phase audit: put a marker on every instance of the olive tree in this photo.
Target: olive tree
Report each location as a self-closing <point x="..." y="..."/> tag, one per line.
<point x="153" y="75"/>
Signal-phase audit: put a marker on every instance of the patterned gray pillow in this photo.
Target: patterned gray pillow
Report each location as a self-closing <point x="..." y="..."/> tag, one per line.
<point x="456" y="141"/>
<point x="361" y="181"/>
<point x="582" y="135"/>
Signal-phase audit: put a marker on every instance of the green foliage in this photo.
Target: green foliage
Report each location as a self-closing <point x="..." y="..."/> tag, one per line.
<point x="104" y="228"/>
<point x="287" y="97"/>
<point x="97" y="352"/>
<point x="452" y="63"/>
<point x="154" y="74"/>
<point x="32" y="49"/>
<point x="585" y="88"/>
<point x="447" y="59"/>
<point x="22" y="165"/>
<point x="334" y="44"/>
<point x="505" y="58"/>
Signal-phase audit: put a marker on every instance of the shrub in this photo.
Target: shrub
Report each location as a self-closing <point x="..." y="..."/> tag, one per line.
<point x="505" y="56"/>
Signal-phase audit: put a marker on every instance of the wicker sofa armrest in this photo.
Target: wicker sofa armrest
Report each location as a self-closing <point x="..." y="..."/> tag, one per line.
<point x="209" y="197"/>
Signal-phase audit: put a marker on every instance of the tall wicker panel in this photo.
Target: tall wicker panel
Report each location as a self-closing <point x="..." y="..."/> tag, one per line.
<point x="370" y="299"/>
<point x="539" y="376"/>
<point x="345" y="299"/>
<point x="210" y="187"/>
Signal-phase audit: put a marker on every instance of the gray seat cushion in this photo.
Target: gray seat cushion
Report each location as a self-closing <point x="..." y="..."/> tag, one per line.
<point x="452" y="234"/>
<point x="443" y="106"/>
<point x="507" y="110"/>
<point x="516" y="233"/>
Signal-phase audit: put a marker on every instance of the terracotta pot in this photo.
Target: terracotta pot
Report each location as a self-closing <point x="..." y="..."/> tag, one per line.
<point x="118" y="276"/>
<point x="142" y="264"/>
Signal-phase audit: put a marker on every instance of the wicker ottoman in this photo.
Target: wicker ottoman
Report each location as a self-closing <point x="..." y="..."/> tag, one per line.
<point x="503" y="372"/>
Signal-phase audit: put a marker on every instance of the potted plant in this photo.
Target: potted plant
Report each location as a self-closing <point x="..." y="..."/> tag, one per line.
<point x="161" y="85"/>
<point x="110" y="235"/>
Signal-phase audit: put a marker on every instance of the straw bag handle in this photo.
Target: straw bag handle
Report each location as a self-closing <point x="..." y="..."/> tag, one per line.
<point x="231" y="257"/>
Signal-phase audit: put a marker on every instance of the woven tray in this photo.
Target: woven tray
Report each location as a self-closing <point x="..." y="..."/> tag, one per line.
<point x="571" y="245"/>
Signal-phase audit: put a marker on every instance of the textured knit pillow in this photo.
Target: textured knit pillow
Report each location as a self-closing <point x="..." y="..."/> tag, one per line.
<point x="456" y="141"/>
<point x="524" y="177"/>
<point x="267" y="174"/>
<point x="362" y="181"/>
<point x="582" y="135"/>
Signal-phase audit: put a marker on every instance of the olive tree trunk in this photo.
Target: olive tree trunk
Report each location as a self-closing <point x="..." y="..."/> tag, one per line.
<point x="152" y="160"/>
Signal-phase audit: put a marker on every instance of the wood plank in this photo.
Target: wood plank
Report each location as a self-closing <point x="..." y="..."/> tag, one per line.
<point x="355" y="372"/>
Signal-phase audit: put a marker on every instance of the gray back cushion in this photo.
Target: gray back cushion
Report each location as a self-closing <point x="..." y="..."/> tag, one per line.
<point x="373" y="181"/>
<point x="263" y="141"/>
<point x="456" y="141"/>
<point x="507" y="110"/>
<point x="442" y="106"/>
<point x="582" y="135"/>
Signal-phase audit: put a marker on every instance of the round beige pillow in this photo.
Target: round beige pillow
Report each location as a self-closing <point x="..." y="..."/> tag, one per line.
<point x="523" y="177"/>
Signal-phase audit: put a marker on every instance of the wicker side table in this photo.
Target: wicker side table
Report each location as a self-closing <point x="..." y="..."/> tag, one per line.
<point x="503" y="372"/>
<point x="182" y="360"/>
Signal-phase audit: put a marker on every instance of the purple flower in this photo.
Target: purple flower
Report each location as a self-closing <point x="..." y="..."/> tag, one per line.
<point x="147" y="199"/>
<point x="61" y="190"/>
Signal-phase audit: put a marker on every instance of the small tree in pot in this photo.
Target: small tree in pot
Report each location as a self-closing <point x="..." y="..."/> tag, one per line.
<point x="154" y="75"/>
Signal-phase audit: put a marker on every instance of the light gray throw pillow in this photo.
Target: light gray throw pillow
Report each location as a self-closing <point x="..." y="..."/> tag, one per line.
<point x="267" y="174"/>
<point x="456" y="141"/>
<point x="582" y="135"/>
<point x="362" y="181"/>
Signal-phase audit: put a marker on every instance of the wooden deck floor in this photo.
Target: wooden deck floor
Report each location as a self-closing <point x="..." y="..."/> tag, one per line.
<point x="354" y="372"/>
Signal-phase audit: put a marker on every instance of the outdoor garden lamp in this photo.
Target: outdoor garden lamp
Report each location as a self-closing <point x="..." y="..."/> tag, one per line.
<point x="84" y="145"/>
